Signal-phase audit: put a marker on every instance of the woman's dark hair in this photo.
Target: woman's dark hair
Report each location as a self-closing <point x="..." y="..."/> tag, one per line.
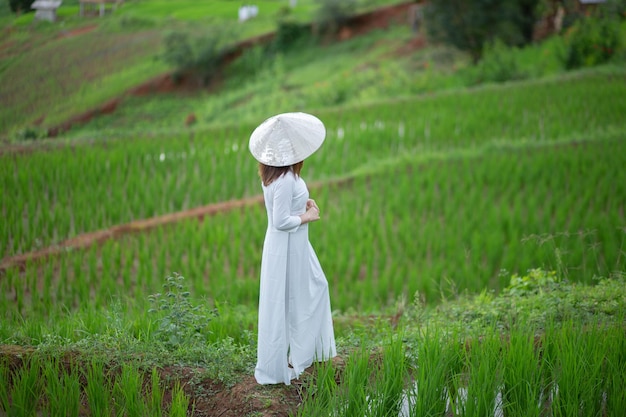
<point x="268" y="173"/>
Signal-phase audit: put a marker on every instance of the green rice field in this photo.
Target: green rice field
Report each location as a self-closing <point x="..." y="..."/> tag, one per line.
<point x="474" y="240"/>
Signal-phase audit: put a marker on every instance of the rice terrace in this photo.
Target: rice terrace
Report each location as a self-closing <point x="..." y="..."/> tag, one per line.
<point x="472" y="186"/>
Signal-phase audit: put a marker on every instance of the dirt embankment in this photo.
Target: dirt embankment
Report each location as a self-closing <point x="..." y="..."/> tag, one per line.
<point x="208" y="398"/>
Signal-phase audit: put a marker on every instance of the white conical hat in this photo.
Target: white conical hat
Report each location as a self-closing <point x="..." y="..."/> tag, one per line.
<point x="287" y="138"/>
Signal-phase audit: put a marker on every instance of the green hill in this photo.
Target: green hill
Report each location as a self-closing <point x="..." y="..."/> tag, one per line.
<point x="51" y="72"/>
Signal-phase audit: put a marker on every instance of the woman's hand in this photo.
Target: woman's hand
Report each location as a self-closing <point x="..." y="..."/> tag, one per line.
<point x="312" y="212"/>
<point x="311" y="203"/>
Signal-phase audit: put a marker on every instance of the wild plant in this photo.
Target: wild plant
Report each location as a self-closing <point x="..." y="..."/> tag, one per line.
<point x="180" y="322"/>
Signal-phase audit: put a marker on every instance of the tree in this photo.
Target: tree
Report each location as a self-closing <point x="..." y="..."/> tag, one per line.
<point x="21" y="6"/>
<point x="198" y="56"/>
<point x="333" y="14"/>
<point x="470" y="24"/>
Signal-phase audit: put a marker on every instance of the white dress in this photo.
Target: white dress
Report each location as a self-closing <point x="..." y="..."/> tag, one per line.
<point x="295" y="321"/>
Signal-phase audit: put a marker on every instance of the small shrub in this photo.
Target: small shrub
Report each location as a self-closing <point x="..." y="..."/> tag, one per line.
<point x="251" y="62"/>
<point x="290" y="33"/>
<point x="591" y="41"/>
<point x="181" y="322"/>
<point x="21" y="6"/>
<point x="531" y="283"/>
<point x="177" y="52"/>
<point x="200" y="56"/>
<point x="30" y="133"/>
<point x="498" y="64"/>
<point x="332" y="15"/>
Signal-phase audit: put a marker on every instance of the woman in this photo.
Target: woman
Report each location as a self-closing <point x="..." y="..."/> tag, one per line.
<point x="295" y="322"/>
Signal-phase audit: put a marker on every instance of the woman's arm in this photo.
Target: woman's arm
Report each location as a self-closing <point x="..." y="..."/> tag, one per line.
<point x="283" y="194"/>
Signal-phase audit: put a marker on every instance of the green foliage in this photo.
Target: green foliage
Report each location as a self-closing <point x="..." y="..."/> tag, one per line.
<point x="498" y="63"/>
<point x="29" y="134"/>
<point x="180" y="322"/>
<point x="535" y="299"/>
<point x="5" y="11"/>
<point x="470" y="24"/>
<point x="615" y="8"/>
<point x="251" y="63"/>
<point x="534" y="281"/>
<point x="98" y="389"/>
<point x="21" y="6"/>
<point x="591" y="41"/>
<point x="199" y="56"/>
<point x="180" y="402"/>
<point x="332" y="15"/>
<point x="128" y="392"/>
<point x="5" y="384"/>
<point x="290" y="33"/>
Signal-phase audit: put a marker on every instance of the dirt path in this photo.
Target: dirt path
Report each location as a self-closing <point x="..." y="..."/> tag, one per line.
<point x="85" y="240"/>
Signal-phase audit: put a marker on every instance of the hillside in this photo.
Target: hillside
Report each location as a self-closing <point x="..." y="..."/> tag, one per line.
<point x="92" y="63"/>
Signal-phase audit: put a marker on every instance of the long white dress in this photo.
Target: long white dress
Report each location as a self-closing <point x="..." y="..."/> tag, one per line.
<point x="295" y="321"/>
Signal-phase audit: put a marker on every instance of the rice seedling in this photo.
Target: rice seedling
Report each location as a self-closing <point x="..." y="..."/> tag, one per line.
<point x="27" y="388"/>
<point x="442" y="250"/>
<point x="180" y="402"/>
<point x="352" y="397"/>
<point x="62" y="389"/>
<point x="151" y="176"/>
<point x="523" y="374"/>
<point x="128" y="391"/>
<point x="321" y="390"/>
<point x="5" y="384"/>
<point x="436" y="356"/>
<point x="478" y="391"/>
<point x="389" y="380"/>
<point x="578" y="368"/>
<point x="156" y="394"/>
<point x="98" y="389"/>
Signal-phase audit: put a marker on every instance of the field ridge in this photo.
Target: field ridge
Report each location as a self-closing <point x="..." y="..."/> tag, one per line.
<point x="85" y="240"/>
